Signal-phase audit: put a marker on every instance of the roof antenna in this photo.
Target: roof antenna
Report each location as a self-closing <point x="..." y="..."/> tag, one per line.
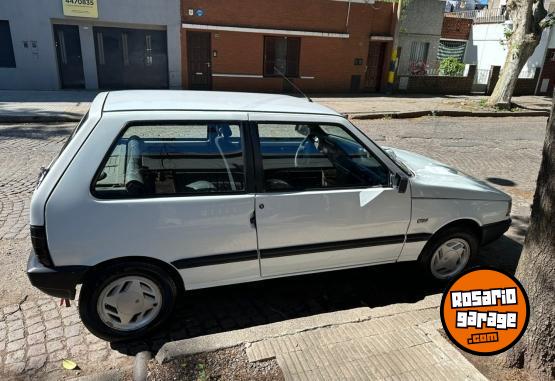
<point x="292" y="84"/>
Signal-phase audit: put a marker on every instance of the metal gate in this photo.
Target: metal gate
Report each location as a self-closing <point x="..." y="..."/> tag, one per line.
<point x="131" y="58"/>
<point x="481" y="79"/>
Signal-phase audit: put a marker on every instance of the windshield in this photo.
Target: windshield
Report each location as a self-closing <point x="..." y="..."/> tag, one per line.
<point x="403" y="166"/>
<point x="389" y="152"/>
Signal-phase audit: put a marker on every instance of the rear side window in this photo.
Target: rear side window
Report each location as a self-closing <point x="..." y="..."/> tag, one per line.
<point x="316" y="156"/>
<point x="180" y="159"/>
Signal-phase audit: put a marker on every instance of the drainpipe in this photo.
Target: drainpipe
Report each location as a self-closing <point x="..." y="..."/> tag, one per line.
<point x="348" y="14"/>
<point x="394" y="51"/>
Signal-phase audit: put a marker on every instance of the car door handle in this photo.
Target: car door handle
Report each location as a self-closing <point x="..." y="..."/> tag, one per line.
<point x="253" y="219"/>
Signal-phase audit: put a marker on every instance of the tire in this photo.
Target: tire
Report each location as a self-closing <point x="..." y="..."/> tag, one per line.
<point x="136" y="287"/>
<point x="449" y="237"/>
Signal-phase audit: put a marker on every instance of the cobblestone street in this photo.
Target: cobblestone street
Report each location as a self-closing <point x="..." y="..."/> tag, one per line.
<point x="36" y="333"/>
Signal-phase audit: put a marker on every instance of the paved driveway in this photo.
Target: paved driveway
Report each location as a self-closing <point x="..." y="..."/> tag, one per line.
<point x="35" y="333"/>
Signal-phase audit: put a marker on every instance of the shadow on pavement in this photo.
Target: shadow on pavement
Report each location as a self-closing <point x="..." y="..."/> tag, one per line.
<point x="22" y="96"/>
<point x="221" y="309"/>
<point x="501" y="181"/>
<point x="36" y="132"/>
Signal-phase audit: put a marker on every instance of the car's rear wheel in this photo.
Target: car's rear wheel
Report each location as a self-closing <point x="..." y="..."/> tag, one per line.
<point x="449" y="253"/>
<point x="127" y="302"/>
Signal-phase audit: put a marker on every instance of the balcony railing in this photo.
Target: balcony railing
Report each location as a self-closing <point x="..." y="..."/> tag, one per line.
<point x="482" y="16"/>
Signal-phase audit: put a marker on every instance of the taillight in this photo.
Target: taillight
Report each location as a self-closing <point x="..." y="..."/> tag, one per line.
<point x="40" y="246"/>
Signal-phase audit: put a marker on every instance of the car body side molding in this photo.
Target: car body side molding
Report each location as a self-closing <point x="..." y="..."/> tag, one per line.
<point x="220" y="259"/>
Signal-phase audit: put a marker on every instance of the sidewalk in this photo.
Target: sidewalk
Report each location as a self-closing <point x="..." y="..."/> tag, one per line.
<point x="21" y="106"/>
<point x="61" y="106"/>
<point x="373" y="107"/>
<point x="395" y="342"/>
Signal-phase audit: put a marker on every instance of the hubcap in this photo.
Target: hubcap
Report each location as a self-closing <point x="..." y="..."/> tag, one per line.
<point x="450" y="258"/>
<point x="129" y="303"/>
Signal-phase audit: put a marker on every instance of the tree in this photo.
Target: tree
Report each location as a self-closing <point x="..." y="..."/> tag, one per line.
<point x="529" y="19"/>
<point x="535" y="352"/>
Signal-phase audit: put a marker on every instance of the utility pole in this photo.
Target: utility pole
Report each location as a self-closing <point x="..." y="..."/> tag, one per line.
<point x="394" y="51"/>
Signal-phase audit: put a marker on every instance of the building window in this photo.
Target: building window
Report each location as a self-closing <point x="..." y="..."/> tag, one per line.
<point x="418" y="61"/>
<point x="7" y="58"/>
<point x="448" y="48"/>
<point x="419" y="52"/>
<point x="281" y="55"/>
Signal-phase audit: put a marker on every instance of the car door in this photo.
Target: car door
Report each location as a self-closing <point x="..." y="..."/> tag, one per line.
<point x="173" y="190"/>
<point x="326" y="199"/>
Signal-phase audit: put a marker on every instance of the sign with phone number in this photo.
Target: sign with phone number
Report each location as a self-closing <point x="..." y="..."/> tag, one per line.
<point x="80" y="8"/>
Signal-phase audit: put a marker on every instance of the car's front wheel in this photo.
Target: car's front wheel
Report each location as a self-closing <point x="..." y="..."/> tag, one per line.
<point x="449" y="253"/>
<point x="127" y="301"/>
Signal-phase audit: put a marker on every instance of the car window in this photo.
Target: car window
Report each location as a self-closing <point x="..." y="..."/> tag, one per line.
<point x="180" y="159"/>
<point x="316" y="156"/>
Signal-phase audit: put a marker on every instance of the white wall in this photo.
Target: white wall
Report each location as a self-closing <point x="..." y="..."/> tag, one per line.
<point x="551" y="42"/>
<point x="32" y="20"/>
<point x="484" y="48"/>
<point x="422" y="22"/>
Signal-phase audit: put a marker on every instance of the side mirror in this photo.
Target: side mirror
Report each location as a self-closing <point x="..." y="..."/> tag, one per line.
<point x="403" y="184"/>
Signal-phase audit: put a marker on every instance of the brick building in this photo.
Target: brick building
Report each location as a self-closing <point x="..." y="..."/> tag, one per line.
<point x="455" y="28"/>
<point x="321" y="45"/>
<point x="455" y="33"/>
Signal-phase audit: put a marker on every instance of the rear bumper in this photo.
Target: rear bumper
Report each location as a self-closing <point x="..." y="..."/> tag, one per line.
<point x="59" y="281"/>
<point x="490" y="232"/>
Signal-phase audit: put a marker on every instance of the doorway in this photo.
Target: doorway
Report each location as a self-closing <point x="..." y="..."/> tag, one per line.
<point x="374" y="66"/>
<point x="199" y="60"/>
<point x="70" y="61"/>
<point x="131" y="58"/>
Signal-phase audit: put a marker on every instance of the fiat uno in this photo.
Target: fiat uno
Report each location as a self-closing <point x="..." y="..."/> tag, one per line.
<point x="160" y="192"/>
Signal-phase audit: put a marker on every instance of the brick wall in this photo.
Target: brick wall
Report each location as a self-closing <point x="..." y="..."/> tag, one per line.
<point x="456" y="28"/>
<point x="524" y="86"/>
<point x="328" y="62"/>
<point x="437" y="84"/>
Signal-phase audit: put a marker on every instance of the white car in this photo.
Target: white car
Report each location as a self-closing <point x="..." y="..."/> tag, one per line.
<point x="160" y="192"/>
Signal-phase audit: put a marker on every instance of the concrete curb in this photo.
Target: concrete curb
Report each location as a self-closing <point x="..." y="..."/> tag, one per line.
<point x="450" y="113"/>
<point x="431" y="329"/>
<point x="229" y="339"/>
<point x="5" y="119"/>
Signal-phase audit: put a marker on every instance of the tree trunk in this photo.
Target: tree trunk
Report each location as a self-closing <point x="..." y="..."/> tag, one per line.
<point x="536" y="270"/>
<point x="526" y="35"/>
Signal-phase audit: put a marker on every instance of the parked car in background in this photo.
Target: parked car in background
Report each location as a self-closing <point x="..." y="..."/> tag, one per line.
<point x="160" y="192"/>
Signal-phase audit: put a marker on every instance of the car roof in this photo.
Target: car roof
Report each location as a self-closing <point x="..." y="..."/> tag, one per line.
<point x="150" y="100"/>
